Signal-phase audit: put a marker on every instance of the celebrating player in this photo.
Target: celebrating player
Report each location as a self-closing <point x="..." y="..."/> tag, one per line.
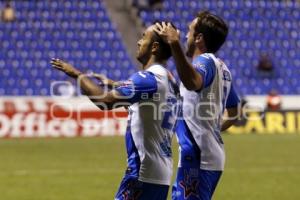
<point x="207" y="91"/>
<point x="149" y="92"/>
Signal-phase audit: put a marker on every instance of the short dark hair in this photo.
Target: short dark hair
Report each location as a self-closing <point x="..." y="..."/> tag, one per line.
<point x="165" y="48"/>
<point x="213" y="28"/>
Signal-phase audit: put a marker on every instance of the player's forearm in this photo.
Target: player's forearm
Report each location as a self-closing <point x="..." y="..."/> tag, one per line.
<point x="231" y="119"/>
<point x="106" y="81"/>
<point x="227" y="124"/>
<point x="95" y="93"/>
<point x="187" y="74"/>
<point x="88" y="87"/>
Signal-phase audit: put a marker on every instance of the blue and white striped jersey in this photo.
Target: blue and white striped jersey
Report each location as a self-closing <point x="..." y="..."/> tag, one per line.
<point x="150" y="126"/>
<point x="202" y="113"/>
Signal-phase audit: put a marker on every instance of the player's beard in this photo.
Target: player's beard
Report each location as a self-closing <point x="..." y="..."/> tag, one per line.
<point x="143" y="54"/>
<point x="142" y="57"/>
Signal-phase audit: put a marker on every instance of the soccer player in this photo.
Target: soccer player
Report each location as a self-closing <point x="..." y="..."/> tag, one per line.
<point x="152" y="116"/>
<point x="207" y="91"/>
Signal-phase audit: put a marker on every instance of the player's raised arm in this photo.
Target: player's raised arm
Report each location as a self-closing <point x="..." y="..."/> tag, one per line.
<point x="106" y="81"/>
<point x="140" y="86"/>
<point x="102" y="98"/>
<point x="187" y="74"/>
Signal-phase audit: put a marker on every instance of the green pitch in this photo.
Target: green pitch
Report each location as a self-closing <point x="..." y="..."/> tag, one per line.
<point x="258" y="168"/>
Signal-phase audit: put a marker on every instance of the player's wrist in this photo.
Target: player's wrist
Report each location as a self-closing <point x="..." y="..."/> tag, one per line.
<point x="77" y="74"/>
<point x="174" y="43"/>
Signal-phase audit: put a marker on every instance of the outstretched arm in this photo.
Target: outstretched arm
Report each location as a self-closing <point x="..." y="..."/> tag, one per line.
<point x="106" y="81"/>
<point x="95" y="93"/>
<point x="190" y="78"/>
<point x="141" y="86"/>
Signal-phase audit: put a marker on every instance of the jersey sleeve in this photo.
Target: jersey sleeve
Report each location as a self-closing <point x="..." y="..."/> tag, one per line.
<point x="205" y="66"/>
<point x="140" y="86"/>
<point x="233" y="99"/>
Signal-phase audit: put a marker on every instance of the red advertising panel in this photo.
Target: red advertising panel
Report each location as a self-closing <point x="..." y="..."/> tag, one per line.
<point x="46" y="117"/>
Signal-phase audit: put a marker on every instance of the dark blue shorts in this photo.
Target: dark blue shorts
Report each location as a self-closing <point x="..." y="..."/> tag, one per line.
<point x="195" y="184"/>
<point x="133" y="189"/>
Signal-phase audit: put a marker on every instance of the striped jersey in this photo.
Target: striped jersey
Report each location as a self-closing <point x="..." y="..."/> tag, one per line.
<point x="151" y="121"/>
<point x="202" y="112"/>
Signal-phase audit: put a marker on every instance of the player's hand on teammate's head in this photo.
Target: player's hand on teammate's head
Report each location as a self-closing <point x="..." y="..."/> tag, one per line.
<point x="167" y="32"/>
<point x="65" y="67"/>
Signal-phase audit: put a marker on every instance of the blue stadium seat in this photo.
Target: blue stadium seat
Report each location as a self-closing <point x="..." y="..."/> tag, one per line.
<point x="255" y="27"/>
<point x="79" y="32"/>
<point x="82" y="33"/>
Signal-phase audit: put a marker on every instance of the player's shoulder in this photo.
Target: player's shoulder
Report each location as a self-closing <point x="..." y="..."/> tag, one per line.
<point x="141" y="77"/>
<point x="155" y="74"/>
<point x="158" y="70"/>
<point x="205" y="59"/>
<point x="152" y="74"/>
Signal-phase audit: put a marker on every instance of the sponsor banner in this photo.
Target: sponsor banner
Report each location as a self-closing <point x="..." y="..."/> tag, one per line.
<point x="49" y="117"/>
<point x="269" y="122"/>
<point x="29" y="117"/>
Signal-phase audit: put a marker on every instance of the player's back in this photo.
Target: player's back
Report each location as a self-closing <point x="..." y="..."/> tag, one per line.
<point x="150" y="127"/>
<point x="203" y="111"/>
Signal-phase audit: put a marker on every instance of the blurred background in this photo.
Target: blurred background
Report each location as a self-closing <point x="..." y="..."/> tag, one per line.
<point x="262" y="51"/>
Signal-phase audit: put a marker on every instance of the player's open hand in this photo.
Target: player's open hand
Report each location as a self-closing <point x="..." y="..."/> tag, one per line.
<point x="167" y="32"/>
<point x="65" y="67"/>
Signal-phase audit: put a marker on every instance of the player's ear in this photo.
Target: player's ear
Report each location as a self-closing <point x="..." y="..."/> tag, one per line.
<point x="155" y="47"/>
<point x="199" y="38"/>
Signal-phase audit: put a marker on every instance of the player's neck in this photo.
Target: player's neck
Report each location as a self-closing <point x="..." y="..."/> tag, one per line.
<point x="198" y="52"/>
<point x="153" y="61"/>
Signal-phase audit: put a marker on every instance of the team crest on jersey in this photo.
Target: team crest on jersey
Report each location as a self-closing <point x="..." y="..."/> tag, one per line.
<point x="226" y="75"/>
<point x="190" y="184"/>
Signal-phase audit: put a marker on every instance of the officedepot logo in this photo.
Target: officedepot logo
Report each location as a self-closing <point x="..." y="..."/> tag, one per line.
<point x="29" y="125"/>
<point x="26" y="119"/>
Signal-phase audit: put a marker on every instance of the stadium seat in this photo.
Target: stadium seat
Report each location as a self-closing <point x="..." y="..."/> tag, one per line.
<point x="255" y="27"/>
<point x="82" y="33"/>
<point x="79" y="32"/>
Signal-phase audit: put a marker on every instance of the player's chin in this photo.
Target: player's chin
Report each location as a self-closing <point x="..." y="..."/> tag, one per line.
<point x="137" y="53"/>
<point x="139" y="58"/>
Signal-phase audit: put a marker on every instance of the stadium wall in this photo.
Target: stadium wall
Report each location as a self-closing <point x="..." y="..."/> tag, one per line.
<point x="46" y="117"/>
